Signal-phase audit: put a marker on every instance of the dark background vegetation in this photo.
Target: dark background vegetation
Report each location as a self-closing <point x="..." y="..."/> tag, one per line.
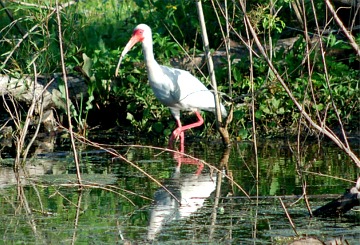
<point x="100" y="29"/>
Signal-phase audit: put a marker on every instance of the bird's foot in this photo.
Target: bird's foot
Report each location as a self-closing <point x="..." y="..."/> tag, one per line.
<point x="176" y="134"/>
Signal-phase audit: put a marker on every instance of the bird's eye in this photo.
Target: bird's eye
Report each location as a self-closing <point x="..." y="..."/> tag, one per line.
<point x="138" y="32"/>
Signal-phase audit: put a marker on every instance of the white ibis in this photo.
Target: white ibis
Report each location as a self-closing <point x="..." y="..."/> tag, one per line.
<point x="175" y="88"/>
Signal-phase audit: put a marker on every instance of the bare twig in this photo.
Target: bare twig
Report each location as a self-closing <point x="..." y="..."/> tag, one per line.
<point x="222" y="129"/>
<point x="298" y="12"/>
<point x="14" y="116"/>
<point x="254" y="132"/>
<point x="78" y="212"/>
<point x="300" y="169"/>
<point x="35" y="101"/>
<point x="92" y="185"/>
<point x="353" y="43"/>
<point x="328" y="176"/>
<point x="288" y="216"/>
<point x="184" y="50"/>
<point x="20" y="142"/>
<point x="11" y="17"/>
<point x="68" y="111"/>
<point x="226" y="38"/>
<point x="310" y="67"/>
<point x="328" y="79"/>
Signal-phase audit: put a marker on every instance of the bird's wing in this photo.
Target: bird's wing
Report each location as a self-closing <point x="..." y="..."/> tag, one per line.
<point x="190" y="92"/>
<point x="184" y="92"/>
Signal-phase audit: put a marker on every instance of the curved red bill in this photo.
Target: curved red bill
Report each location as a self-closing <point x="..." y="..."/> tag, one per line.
<point x="133" y="40"/>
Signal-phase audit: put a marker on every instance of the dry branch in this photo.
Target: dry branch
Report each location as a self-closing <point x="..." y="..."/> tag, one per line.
<point x="349" y="36"/>
<point x="222" y="129"/>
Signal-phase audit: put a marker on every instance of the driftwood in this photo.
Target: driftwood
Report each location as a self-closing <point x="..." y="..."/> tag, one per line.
<point x="44" y="89"/>
<point x="238" y="52"/>
<point x="341" y="205"/>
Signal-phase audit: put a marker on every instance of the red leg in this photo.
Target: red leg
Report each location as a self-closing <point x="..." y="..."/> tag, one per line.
<point x="195" y="124"/>
<point x="179" y="131"/>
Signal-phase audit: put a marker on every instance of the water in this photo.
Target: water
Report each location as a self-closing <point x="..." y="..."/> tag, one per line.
<point x="121" y="205"/>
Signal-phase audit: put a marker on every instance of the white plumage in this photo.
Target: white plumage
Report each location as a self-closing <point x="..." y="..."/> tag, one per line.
<point x="175" y="88"/>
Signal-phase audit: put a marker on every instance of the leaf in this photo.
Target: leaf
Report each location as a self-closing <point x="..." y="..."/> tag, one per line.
<point x="89" y="106"/>
<point x="61" y="87"/>
<point x="265" y="109"/>
<point x="318" y="107"/>
<point x="243" y="134"/>
<point x="236" y="74"/>
<point x="167" y="132"/>
<point x="87" y="64"/>
<point x="275" y="103"/>
<point x="131" y="79"/>
<point x="281" y="110"/>
<point x="129" y="117"/>
<point x="238" y="115"/>
<point x="258" y="114"/>
<point x="158" y="127"/>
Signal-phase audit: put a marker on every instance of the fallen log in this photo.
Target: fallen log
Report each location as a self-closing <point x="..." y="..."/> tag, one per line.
<point x="238" y="52"/>
<point x="44" y="89"/>
<point x="341" y="205"/>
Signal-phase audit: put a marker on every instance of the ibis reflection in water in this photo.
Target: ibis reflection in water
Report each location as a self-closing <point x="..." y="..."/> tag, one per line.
<point x="188" y="192"/>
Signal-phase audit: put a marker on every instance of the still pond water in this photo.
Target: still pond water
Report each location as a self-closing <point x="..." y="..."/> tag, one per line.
<point x="207" y="204"/>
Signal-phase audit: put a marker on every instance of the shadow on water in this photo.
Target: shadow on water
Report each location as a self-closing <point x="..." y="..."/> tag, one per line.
<point x="200" y="202"/>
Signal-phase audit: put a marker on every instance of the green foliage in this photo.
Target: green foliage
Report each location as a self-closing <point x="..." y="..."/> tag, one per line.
<point x="272" y="22"/>
<point x="95" y="33"/>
